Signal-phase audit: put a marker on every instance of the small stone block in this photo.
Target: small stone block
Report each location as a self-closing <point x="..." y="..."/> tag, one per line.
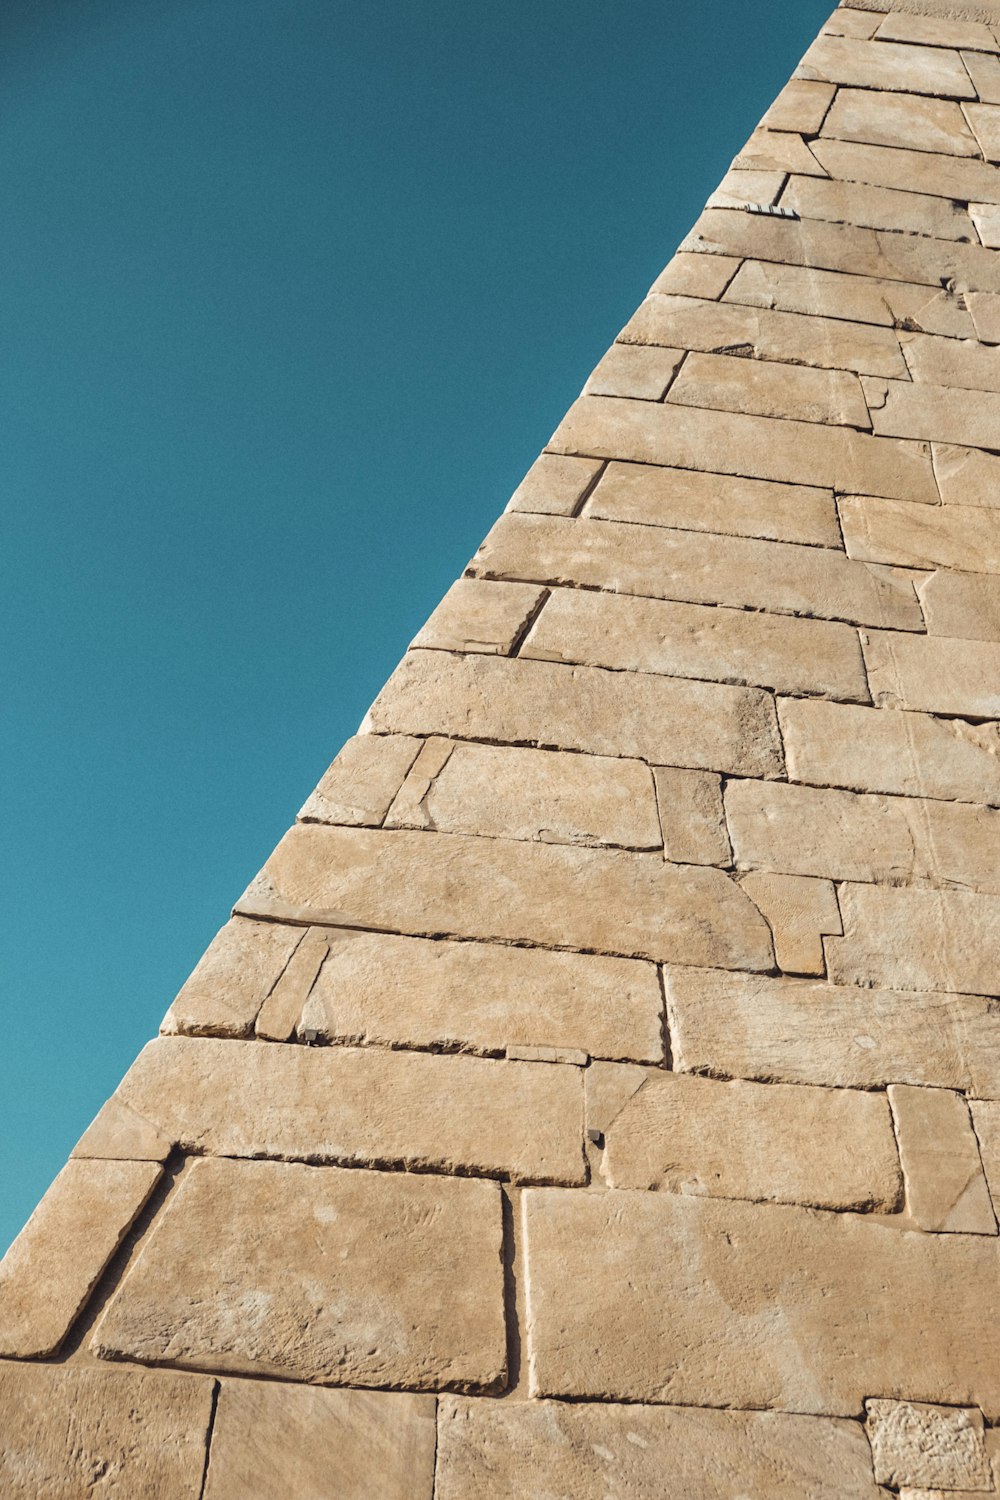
<point x="928" y="1447"/>
<point x="478" y="616"/>
<point x="691" y="815"/>
<point x="945" y="1187"/>
<point x="555" y="484"/>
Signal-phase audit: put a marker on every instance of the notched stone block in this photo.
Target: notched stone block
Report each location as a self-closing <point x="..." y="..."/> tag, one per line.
<point x="233" y="978"/>
<point x="555" y="485"/>
<point x="362" y="781"/>
<point x="479" y="616"/>
<point x="801" y="910"/>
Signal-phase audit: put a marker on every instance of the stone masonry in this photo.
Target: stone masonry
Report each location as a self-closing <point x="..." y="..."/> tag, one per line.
<point x="596" y="1096"/>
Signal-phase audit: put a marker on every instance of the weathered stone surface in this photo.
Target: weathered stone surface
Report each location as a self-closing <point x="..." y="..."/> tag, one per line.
<point x="933" y="31"/>
<point x="75" y="1433"/>
<point x="945" y="1187"/>
<point x="912" y="171"/>
<point x="233" y="978"/>
<point x="986" y="217"/>
<point x="320" y="1275"/>
<point x="800" y="911"/>
<point x="695" y="724"/>
<point x="543" y="795"/>
<point x="985" y="74"/>
<point x="439" y="884"/>
<point x="861" y="23"/>
<point x="835" y="295"/>
<point x="986" y="1120"/>
<point x="877" y="208"/>
<point x="776" y="151"/>
<point x="886" y="65"/>
<point x="725" y="383"/>
<point x="414" y="992"/>
<point x="720" y="503"/>
<point x="652" y="1296"/>
<point x="690" y="640"/>
<point x="504" y="1450"/>
<point x="985" y="122"/>
<point x="58" y="1258"/>
<point x="901" y="408"/>
<point x="984" y="309"/>
<point x="301" y="1442"/>
<point x="694" y="826"/>
<point x="754" y="447"/>
<point x="696" y="568"/>
<point x="965" y="476"/>
<point x="473" y="617"/>
<point x="608" y="1086"/>
<point x="772" y="1143"/>
<point x="918" y="940"/>
<point x="362" y="781"/>
<point x="756" y="331"/>
<point x="883" y="119"/>
<point x="957" y="363"/>
<point x="883" y="750"/>
<point x="554" y="485"/>
<point x="281" y="1010"/>
<point x="118" y="1133"/>
<point x="937" y="674"/>
<point x="922" y="536"/>
<point x="696" y="276"/>
<point x="927" y="1446"/>
<point x="741" y="187"/>
<point x="801" y="106"/>
<point x="633" y="370"/>
<point x="797" y="1031"/>
<point x="361" y="1106"/>
<point x="962" y="605"/>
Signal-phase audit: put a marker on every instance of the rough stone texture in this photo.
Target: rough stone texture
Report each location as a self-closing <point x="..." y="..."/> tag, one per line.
<point x="985" y="74"/>
<point x="474" y="616"/>
<point x="804" y="291"/>
<point x="283" y="1006"/>
<point x="963" y="607"/>
<point x="726" y="383"/>
<point x="913" y="171"/>
<point x="935" y="674"/>
<point x="554" y="485"/>
<point x="985" y="122"/>
<point x="986" y="217"/>
<point x="961" y="363"/>
<point x="801" y="105"/>
<point x="907" y="120"/>
<point x="886" y="65"/>
<point x="232" y="980"/>
<point x="772" y="1143"/>
<point x="922" y="536"/>
<point x="273" y="1440"/>
<point x="800" y="911"/>
<point x="69" y="1434"/>
<point x="877" y="208"/>
<point x="775" y="151"/>
<point x="945" y="1187"/>
<point x="58" y="1258"/>
<point x="695" y="276"/>
<point x="920" y="940"/>
<point x="902" y="408"/>
<point x="965" y="476"/>
<point x="361" y="783"/>
<point x="319" y="1275"/>
<point x="986" y="1121"/>
<point x="117" y="1133"/>
<point x="937" y="33"/>
<point x="938" y="1447"/>
<point x="984" y="309"/>
<point x="691" y="814"/>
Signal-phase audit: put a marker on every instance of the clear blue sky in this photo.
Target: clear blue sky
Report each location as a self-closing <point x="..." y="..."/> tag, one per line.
<point x="291" y="293"/>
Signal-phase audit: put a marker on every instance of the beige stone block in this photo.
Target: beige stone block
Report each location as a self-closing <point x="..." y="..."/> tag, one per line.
<point x="834" y="294"/>
<point x="962" y="605"/>
<point x="504" y="1450"/>
<point x="233" y="978"/>
<point x="917" y="940"/>
<point x="300" y="1442"/>
<point x="802" y="1031"/>
<point x="984" y="309"/>
<point x="59" y="1257"/>
<point x="961" y="363"/>
<point x="913" y="171"/>
<point x="761" y="333"/>
<point x="985" y="122"/>
<point x="608" y="1086"/>
<point x="720" y="503"/>
<point x="694" y="724"/>
<point x="740" y="187"/>
<point x="694" y="826"/>
<point x="775" y="151"/>
<point x="725" y="383"/>
<point x="801" y="106"/>
<point x="935" y="674"/>
<point x="554" y="485"/>
<point x="319" y="1275"/>
<point x="927" y="1446"/>
<point x="392" y="991"/>
<point x="906" y="120"/>
<point x="656" y="1296"/>
<point x="945" y="1187"/>
<point x="634" y="370"/>
<point x="884" y="750"/>
<point x="901" y="408"/>
<point x="877" y="208"/>
<point x="547" y="796"/>
<point x="965" y="476"/>
<point x="362" y="781"/>
<point x="800" y="911"/>
<point x="985" y="74"/>
<point x="768" y="1142"/>
<point x="362" y="1106"/>
<point x="986" y="217"/>
<point x="886" y="65"/>
<point x="986" y="1121"/>
<point x="858" y="23"/>
<point x="696" y="276"/>
<point x="937" y="31"/>
<point x="922" y="536"/>
<point x="75" y="1433"/>
<point x="474" y="617"/>
<point x="118" y="1133"/>
<point x="695" y="568"/>
<point x="572" y="1056"/>
<point x="283" y="1006"/>
<point x="691" y="640"/>
<point x="424" y="884"/>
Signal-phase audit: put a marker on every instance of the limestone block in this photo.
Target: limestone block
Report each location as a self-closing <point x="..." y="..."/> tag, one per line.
<point x="965" y="476"/>
<point x="754" y="447"/>
<point x="801" y="106"/>
<point x="985" y="74"/>
<point x="834" y="294"/>
<point x="656" y="1296"/>
<point x="901" y="408"/>
<point x="281" y="1010"/>
<point x="233" y="978"/>
<point x="885" y="750"/>
<point x="740" y="187"/>
<point x="300" y="1442"/>
<point x="985" y="122"/>
<point x="984" y="309"/>
<point x="936" y="31"/>
<point x="362" y="781"/>
<point x="886" y="65"/>
<point x="725" y="383"/>
<point x="426" y="884"/>
<point x="986" y="217"/>
<point x="697" y="724"/>
<point x="759" y="332"/>
<point x="554" y="485"/>
<point x="547" y="796"/>
<point x="945" y="1187"/>
<point x="719" y="503"/>
<point x="362" y="1107"/>
<point x="912" y="171"/>
<point x="608" y="1086"/>
<point x="70" y="1433"/>
<point x="775" y="151"/>
<point x="629" y="370"/>
<point x="59" y="1257"/>
<point x="918" y="940"/>
<point x="504" y="1450"/>
<point x="859" y="23"/>
<point x="696" y="276"/>
<point x="939" y="1447"/>
<point x="906" y="120"/>
<point x="694" y="826"/>
<point x="474" y="617"/>
<point x="797" y="1031"/>
<point x="414" y="992"/>
<point x="986" y="1122"/>
<point x="877" y="208"/>
<point x="937" y="674"/>
<point x="771" y="1143"/>
<point x="922" y="536"/>
<point x="962" y="605"/>
<point x="118" y="1133"/>
<point x="695" y="568"/>
<point x="961" y="363"/>
<point x="319" y="1275"/>
<point x="800" y="911"/>
<point x="690" y="640"/>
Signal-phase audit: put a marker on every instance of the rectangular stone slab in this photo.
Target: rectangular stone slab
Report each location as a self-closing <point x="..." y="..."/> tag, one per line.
<point x="905" y="409"/>
<point x="362" y="1106"/>
<point x="934" y="673"/>
<point x="318" y="1275"/>
<point x="960" y="363"/>
<point x="877" y="208"/>
<point x="905" y="120"/>
<point x="964" y="606"/>
<point x="946" y="1191"/>
<point x="656" y="1297"/>
<point x="912" y="171"/>
<point x="886" y="65"/>
<point x="835" y="294"/>
<point x="728" y="383"/>
<point x="966" y="537"/>
<point x="919" y="940"/>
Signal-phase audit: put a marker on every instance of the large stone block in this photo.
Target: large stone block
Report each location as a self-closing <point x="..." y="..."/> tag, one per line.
<point x="906" y="409"/>
<point x="960" y="605"/>
<point x="966" y="537"/>
<point x="934" y="674"/>
<point x="832" y="295"/>
<point x="917" y="940"/>
<point x="886" y="65"/>
<point x="960" y="364"/>
<point x="877" y="208"/>
<point x="359" y="786"/>
<point x="473" y="616"/>
<point x="730" y="383"/>
<point x="942" y="176"/>
<point x="905" y="120"/>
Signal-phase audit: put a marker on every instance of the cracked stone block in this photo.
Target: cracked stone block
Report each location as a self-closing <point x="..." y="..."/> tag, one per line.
<point x="986" y="217"/>
<point x="801" y="910"/>
<point x="985" y="122"/>
<point x="952" y="362"/>
<point x="801" y="106"/>
<point x="696" y="276"/>
<point x="280" y="1012"/>
<point x="922" y="536"/>
<point x="478" y="616"/>
<point x="928" y="1447"/>
<point x="362" y="781"/>
<point x="877" y="208"/>
<point x="120" y="1133"/>
<point x="984" y="308"/>
<point x="775" y="151"/>
<point x="964" y="475"/>
<point x="904" y="409"/>
<point x="725" y="383"/>
<point x="945" y="1187"/>
<point x="232" y="979"/>
<point x="963" y="606"/>
<point x="555" y="485"/>
<point x="985" y="74"/>
<point x="937" y="31"/>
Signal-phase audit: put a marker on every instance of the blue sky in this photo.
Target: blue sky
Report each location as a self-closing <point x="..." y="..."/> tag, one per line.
<point x="291" y="294"/>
